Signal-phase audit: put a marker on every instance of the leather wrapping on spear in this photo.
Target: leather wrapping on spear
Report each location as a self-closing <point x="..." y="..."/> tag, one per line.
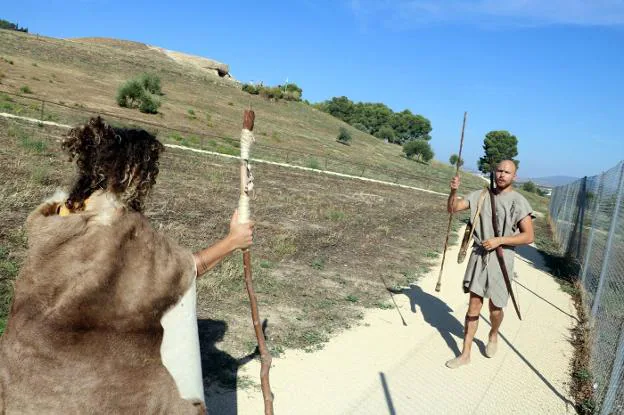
<point x="247" y="139"/>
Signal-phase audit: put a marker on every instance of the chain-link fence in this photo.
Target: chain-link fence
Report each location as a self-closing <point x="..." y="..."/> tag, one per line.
<point x="588" y="220"/>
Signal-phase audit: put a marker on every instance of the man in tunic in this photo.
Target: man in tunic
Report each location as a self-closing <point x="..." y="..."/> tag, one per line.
<point x="484" y="277"/>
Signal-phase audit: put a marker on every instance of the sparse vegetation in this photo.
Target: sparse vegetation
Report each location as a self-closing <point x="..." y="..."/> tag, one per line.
<point x="288" y="92"/>
<point x="25" y="89"/>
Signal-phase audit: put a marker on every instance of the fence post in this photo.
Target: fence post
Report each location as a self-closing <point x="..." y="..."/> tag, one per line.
<point x="590" y="243"/>
<point x="616" y="374"/>
<point x="582" y="198"/>
<point x="605" y="261"/>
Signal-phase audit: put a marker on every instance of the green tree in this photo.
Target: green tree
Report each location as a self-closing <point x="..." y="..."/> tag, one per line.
<point x="454" y="159"/>
<point x="386" y="133"/>
<point x="529" y="187"/>
<point x="361" y="127"/>
<point x="498" y="146"/>
<point x="408" y="126"/>
<point x="420" y="149"/>
<point x="5" y="24"/>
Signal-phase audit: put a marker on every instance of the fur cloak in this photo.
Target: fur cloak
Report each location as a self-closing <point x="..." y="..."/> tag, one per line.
<point x="84" y="331"/>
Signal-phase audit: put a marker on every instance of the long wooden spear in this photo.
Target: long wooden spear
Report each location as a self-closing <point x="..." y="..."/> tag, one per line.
<point x="246" y="183"/>
<point x="448" y="229"/>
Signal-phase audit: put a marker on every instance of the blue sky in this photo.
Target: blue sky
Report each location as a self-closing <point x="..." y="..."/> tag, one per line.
<point x="551" y="72"/>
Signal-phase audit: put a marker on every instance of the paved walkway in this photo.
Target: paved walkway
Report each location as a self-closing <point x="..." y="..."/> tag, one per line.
<point x="384" y="367"/>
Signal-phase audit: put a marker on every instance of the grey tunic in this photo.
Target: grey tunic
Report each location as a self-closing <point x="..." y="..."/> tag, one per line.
<point x="483" y="273"/>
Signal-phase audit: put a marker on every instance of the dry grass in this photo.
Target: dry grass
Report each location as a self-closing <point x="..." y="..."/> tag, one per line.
<point x="322" y="243"/>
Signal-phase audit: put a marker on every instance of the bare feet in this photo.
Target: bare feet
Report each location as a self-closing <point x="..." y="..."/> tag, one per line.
<point x="492" y="346"/>
<point x="457" y="362"/>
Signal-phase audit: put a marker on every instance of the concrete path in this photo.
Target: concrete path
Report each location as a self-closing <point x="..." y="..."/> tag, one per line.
<point x="384" y="367"/>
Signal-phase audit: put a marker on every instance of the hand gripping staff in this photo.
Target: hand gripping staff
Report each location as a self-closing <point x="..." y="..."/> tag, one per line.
<point x="499" y="249"/>
<point x="246" y="182"/>
<point x="448" y="229"/>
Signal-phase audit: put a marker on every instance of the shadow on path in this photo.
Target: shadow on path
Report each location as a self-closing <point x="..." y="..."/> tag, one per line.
<point x="220" y="370"/>
<point x="387" y="394"/>
<point x="438" y="315"/>
<point x="537" y="372"/>
<point x="545" y="300"/>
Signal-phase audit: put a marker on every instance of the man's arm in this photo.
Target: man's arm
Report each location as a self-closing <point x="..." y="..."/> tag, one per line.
<point x="525" y="236"/>
<point x="453" y="204"/>
<point x="240" y="237"/>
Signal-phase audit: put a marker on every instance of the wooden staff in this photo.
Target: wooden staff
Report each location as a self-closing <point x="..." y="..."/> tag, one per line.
<point x="448" y="229"/>
<point x="246" y="182"/>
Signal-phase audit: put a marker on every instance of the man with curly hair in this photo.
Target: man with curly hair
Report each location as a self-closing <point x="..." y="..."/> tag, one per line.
<point x="84" y="332"/>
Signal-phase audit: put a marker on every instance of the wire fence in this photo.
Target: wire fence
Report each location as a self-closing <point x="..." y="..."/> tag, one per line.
<point x="61" y="112"/>
<point x="588" y="220"/>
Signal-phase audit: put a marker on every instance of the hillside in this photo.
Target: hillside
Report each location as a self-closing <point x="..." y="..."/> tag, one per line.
<point x="84" y="74"/>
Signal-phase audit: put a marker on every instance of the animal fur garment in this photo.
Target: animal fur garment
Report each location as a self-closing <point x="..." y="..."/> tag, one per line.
<point x="84" y="330"/>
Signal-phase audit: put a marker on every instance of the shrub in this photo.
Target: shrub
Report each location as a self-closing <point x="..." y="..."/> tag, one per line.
<point x="130" y="94"/>
<point x="251" y="89"/>
<point x="138" y="93"/>
<point x="149" y="104"/>
<point x="343" y="136"/>
<point x="418" y="148"/>
<point x="25" y="89"/>
<point x="289" y="92"/>
<point x="529" y="187"/>
<point x="151" y="83"/>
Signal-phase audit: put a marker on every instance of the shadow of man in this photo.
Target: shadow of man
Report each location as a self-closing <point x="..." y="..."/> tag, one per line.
<point x="531" y="255"/>
<point x="438" y="314"/>
<point x="220" y="370"/>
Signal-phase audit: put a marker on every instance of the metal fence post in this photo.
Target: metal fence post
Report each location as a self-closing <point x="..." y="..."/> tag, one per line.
<point x="590" y="243"/>
<point x="582" y="199"/>
<point x="616" y="374"/>
<point x="605" y="262"/>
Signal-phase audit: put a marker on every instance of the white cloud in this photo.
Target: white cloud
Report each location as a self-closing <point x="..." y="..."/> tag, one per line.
<point x="494" y="12"/>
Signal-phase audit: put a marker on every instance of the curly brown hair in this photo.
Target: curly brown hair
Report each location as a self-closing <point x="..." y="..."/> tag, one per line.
<point x="120" y="160"/>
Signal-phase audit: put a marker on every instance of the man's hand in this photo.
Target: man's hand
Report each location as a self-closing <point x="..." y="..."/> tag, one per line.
<point x="241" y="235"/>
<point x="492" y="244"/>
<point x="455" y="182"/>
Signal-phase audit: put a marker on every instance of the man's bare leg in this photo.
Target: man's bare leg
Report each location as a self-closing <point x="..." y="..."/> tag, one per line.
<point x="496" y="317"/>
<point x="470" y="329"/>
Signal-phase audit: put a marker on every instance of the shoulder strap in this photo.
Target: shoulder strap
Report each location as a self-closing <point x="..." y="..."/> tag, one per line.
<point x="471" y="227"/>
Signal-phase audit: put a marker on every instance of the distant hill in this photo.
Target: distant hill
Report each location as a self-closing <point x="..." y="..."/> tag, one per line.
<point x="550" y="181"/>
